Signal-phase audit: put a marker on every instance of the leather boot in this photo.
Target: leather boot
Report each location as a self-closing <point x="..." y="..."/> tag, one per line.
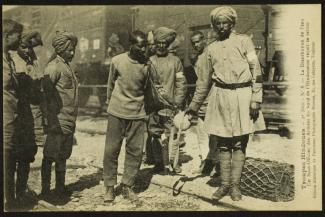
<point x="46" y="176"/>
<point x="225" y="165"/>
<point x="238" y="161"/>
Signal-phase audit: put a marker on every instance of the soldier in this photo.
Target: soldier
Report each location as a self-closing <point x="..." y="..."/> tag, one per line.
<point x="28" y="96"/>
<point x="61" y="87"/>
<point x="126" y="116"/>
<point x="199" y="44"/>
<point x="11" y="38"/>
<point x="168" y="70"/>
<point x="235" y="98"/>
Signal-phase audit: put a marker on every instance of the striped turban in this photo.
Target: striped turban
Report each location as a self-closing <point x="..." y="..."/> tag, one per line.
<point x="225" y="11"/>
<point x="164" y="34"/>
<point x="62" y="40"/>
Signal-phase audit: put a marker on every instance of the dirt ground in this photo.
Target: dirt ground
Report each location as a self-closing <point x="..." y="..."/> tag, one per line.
<point x="84" y="175"/>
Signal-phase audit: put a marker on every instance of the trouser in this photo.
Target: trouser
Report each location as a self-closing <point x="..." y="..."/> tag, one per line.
<point x="157" y="126"/>
<point x="133" y="131"/>
<point x="57" y="148"/>
<point x="60" y="170"/>
<point x="11" y="166"/>
<point x="232" y="157"/>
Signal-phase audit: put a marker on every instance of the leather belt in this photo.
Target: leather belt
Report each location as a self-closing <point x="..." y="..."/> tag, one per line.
<point x="232" y="86"/>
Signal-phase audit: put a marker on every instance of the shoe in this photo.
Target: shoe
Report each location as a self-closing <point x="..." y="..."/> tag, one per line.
<point x="128" y="193"/>
<point x="222" y="191"/>
<point x="235" y="192"/>
<point x="109" y="195"/>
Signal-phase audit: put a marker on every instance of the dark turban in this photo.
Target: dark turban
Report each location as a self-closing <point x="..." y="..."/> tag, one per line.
<point x="225" y="11"/>
<point x="164" y="34"/>
<point x="62" y="40"/>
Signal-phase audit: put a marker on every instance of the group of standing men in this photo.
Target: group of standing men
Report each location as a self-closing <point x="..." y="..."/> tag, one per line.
<point x="227" y="71"/>
<point x="32" y="100"/>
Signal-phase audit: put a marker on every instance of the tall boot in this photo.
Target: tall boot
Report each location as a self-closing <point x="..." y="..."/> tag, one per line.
<point x="22" y="178"/>
<point x="238" y="161"/>
<point x="225" y="166"/>
<point x="46" y="176"/>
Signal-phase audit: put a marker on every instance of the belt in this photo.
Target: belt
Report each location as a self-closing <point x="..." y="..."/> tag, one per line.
<point x="232" y="86"/>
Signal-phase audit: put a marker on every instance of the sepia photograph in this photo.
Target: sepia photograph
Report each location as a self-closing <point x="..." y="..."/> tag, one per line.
<point x="162" y="108"/>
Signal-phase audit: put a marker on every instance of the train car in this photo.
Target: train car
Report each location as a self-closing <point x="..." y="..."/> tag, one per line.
<point x="103" y="28"/>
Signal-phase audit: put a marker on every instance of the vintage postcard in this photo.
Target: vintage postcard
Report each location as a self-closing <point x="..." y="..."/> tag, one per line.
<point x="85" y="137"/>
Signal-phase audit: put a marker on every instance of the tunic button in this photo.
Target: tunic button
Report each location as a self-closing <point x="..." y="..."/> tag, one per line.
<point x="224" y="58"/>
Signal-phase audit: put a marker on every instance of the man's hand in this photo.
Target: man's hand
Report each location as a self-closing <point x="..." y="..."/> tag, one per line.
<point x="254" y="109"/>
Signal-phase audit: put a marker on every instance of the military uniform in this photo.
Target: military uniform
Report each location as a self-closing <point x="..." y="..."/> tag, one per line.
<point x="230" y="66"/>
<point x="61" y="88"/>
<point x="19" y="138"/>
<point x="167" y="68"/>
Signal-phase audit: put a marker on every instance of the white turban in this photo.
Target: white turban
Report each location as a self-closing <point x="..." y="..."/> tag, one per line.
<point x="225" y="11"/>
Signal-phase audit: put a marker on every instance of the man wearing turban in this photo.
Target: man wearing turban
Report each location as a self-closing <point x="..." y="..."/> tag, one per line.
<point x="29" y="117"/>
<point x="231" y="67"/>
<point x="61" y="88"/>
<point x="167" y="70"/>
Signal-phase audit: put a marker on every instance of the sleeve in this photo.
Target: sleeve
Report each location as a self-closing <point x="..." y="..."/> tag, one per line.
<point x="180" y="84"/>
<point x="255" y="70"/>
<point x="111" y="81"/>
<point x="204" y="72"/>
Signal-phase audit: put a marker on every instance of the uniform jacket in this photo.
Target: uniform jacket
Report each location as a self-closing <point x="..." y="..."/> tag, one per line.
<point x="229" y="61"/>
<point x="61" y="87"/>
<point x="10" y="100"/>
<point x="170" y="75"/>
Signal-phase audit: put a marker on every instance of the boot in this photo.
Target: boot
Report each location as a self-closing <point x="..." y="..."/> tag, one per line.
<point x="46" y="177"/>
<point x="109" y="194"/>
<point x="238" y="161"/>
<point x="225" y="165"/>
